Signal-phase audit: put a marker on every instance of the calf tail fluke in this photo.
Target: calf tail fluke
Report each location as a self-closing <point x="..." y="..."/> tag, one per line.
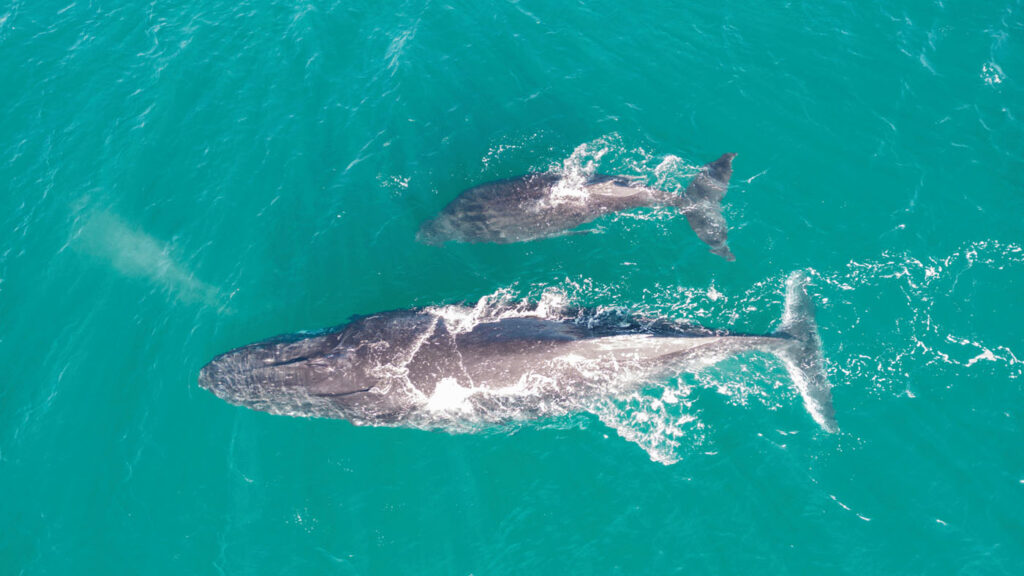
<point x="802" y="353"/>
<point x="702" y="204"/>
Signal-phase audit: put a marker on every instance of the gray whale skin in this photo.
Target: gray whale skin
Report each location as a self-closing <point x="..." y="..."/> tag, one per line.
<point x="458" y="369"/>
<point x="531" y="207"/>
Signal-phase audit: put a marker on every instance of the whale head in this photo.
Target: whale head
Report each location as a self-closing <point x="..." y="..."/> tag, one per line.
<point x="300" y="375"/>
<point x="722" y="249"/>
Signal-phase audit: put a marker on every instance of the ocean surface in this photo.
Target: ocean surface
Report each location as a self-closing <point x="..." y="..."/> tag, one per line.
<point x="184" y="177"/>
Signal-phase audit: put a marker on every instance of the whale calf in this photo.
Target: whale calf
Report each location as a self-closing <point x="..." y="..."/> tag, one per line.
<point x="459" y="368"/>
<point x="546" y="204"/>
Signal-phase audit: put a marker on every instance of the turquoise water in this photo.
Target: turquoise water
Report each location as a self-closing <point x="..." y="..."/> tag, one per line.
<point x="181" y="178"/>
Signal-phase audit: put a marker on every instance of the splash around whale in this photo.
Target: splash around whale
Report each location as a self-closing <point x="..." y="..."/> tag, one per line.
<point x="547" y="204"/>
<point x="462" y="369"/>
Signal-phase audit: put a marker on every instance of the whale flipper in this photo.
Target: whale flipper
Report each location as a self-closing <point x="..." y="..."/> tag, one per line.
<point x="702" y="204"/>
<point x="802" y="356"/>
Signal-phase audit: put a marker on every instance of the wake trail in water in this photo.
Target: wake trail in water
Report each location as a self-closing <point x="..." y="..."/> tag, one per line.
<point x="922" y="338"/>
<point x="665" y="418"/>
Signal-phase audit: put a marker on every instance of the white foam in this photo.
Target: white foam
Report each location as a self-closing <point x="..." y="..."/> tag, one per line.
<point x="714" y="294"/>
<point x="919" y="339"/>
<point x="992" y="74"/>
<point x="667" y="432"/>
<point x="576" y="170"/>
<point x="986" y="355"/>
<point x="449" y="396"/>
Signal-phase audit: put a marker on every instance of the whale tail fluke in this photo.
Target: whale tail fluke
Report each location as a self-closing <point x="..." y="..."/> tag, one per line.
<point x="702" y="205"/>
<point x="802" y="353"/>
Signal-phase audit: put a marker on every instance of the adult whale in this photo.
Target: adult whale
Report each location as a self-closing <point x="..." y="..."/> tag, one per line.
<point x="459" y="368"/>
<point x="546" y="204"/>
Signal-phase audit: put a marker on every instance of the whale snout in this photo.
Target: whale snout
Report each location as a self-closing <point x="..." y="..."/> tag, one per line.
<point x="207" y="376"/>
<point x="231" y="376"/>
<point x="310" y="374"/>
<point x="437" y="231"/>
<point x="430" y="233"/>
<point x="723" y="251"/>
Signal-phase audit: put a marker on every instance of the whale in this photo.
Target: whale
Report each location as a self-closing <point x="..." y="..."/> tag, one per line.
<point x="460" y="368"/>
<point x="542" y="205"/>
